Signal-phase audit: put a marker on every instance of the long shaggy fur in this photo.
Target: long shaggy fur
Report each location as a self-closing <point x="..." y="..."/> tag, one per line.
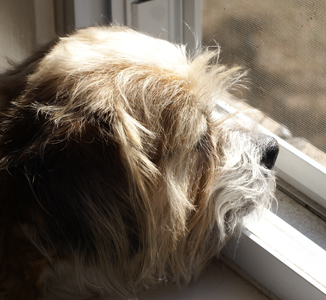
<point x="118" y="170"/>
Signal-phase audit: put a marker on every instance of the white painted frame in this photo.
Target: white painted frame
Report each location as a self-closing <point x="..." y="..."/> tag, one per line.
<point x="180" y="19"/>
<point x="281" y="259"/>
<point x="302" y="172"/>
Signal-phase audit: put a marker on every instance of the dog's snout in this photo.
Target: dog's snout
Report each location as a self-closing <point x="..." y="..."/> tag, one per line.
<point x="270" y="149"/>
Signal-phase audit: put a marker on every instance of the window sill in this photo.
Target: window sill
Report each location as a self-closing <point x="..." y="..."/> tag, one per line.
<point x="294" y="211"/>
<point x="280" y="258"/>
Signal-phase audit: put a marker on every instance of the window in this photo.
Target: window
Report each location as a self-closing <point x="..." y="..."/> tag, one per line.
<point x="283" y="45"/>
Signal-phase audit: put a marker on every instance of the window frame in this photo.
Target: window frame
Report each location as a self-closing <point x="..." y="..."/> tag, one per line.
<point x="280" y="258"/>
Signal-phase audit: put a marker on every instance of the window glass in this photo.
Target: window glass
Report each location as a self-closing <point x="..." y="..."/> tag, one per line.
<point x="283" y="45"/>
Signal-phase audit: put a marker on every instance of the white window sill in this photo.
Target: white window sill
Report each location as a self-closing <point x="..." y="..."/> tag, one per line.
<point x="295" y="212"/>
<point x="281" y="259"/>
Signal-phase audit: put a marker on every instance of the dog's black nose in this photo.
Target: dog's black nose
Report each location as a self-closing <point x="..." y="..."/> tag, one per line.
<point x="270" y="149"/>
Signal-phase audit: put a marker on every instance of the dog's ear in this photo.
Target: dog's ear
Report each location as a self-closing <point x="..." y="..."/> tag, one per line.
<point x="75" y="174"/>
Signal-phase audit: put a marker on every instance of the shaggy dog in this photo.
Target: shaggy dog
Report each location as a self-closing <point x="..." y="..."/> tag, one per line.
<point x="118" y="169"/>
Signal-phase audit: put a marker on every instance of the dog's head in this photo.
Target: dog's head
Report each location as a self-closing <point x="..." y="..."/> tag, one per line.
<point x="116" y="156"/>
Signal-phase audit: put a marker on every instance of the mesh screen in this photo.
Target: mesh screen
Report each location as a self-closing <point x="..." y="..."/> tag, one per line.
<point x="283" y="44"/>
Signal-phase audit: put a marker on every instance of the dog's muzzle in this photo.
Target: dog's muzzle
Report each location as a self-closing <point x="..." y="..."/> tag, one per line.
<point x="270" y="149"/>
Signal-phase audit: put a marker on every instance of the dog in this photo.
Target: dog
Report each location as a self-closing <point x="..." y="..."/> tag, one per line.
<point x="119" y="171"/>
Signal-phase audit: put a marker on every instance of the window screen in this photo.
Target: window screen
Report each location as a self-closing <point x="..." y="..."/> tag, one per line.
<point x="283" y="45"/>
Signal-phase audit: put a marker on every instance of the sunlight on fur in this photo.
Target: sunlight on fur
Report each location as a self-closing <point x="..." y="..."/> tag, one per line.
<point x="118" y="170"/>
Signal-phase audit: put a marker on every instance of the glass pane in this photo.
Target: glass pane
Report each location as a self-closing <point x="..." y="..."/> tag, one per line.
<point x="283" y="44"/>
